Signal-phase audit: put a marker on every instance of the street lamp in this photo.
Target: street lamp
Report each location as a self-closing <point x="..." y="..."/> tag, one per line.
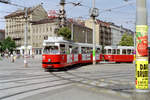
<point x="25" y="38"/>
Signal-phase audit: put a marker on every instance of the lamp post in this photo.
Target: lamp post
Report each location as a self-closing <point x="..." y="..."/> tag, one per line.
<point x="25" y="38"/>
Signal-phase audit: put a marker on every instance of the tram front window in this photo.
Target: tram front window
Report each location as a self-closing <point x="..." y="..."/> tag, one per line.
<point x="98" y="50"/>
<point x="109" y="51"/>
<point x="51" y="50"/>
<point x="129" y="51"/>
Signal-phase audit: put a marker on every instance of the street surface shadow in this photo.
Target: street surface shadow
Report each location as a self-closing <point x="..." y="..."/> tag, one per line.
<point x="72" y="67"/>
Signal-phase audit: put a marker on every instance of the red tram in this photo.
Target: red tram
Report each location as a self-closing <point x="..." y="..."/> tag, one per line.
<point x="119" y="53"/>
<point x="59" y="53"/>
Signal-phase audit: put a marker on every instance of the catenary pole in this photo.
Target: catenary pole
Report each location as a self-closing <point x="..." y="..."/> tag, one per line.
<point x="93" y="17"/>
<point x="94" y="12"/>
<point x="72" y="31"/>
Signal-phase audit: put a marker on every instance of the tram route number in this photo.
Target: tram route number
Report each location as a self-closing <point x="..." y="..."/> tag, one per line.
<point x="142" y="74"/>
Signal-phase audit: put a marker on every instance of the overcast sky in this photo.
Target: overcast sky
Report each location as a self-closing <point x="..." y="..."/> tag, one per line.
<point x="120" y="12"/>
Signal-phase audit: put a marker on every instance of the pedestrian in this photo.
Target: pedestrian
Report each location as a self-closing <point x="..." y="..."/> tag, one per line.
<point x="12" y="58"/>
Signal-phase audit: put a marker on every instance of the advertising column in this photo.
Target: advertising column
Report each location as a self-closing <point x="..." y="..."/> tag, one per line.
<point x="142" y="57"/>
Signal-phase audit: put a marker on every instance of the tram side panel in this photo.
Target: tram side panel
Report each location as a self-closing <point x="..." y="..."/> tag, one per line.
<point x="119" y="53"/>
<point x="98" y="57"/>
<point x="108" y="57"/>
<point x="123" y="58"/>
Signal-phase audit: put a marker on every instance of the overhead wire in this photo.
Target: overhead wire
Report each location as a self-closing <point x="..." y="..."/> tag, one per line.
<point x="118" y="7"/>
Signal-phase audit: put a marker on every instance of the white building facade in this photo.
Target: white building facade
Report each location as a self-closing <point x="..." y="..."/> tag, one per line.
<point x="117" y="33"/>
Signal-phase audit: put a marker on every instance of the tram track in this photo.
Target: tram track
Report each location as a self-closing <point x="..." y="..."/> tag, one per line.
<point x="89" y="82"/>
<point x="30" y="85"/>
<point x="23" y="80"/>
<point x="99" y="79"/>
<point x="31" y="90"/>
<point x="26" y="78"/>
<point x="101" y="76"/>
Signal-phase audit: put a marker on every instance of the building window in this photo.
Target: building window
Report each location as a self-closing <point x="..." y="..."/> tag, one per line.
<point x="47" y="29"/>
<point x="51" y="29"/>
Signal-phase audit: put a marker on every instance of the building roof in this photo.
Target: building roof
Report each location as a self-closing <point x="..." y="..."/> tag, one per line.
<point x="103" y="23"/>
<point x="74" y="21"/>
<point x="52" y="20"/>
<point x="43" y="21"/>
<point x="22" y="12"/>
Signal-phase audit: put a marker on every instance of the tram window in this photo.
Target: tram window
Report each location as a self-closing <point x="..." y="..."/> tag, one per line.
<point x="129" y="51"/>
<point x="124" y="51"/>
<point x="55" y="50"/>
<point x="75" y="50"/>
<point x="109" y="51"/>
<point x="46" y="50"/>
<point x="88" y="50"/>
<point x="98" y="50"/>
<point x="91" y="50"/>
<point x="69" y="49"/>
<point x="83" y="50"/>
<point x="62" y="49"/>
<point x="118" y="51"/>
<point x="104" y="51"/>
<point x="114" y="51"/>
<point x="132" y="52"/>
<point x="51" y="50"/>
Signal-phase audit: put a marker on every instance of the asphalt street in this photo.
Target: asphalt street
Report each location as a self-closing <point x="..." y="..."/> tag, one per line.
<point x="96" y="82"/>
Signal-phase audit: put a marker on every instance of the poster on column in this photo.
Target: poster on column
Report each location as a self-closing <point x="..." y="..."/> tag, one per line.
<point x="141" y="40"/>
<point x="142" y="74"/>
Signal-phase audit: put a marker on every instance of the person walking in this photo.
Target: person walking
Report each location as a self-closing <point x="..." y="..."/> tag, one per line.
<point x="12" y="58"/>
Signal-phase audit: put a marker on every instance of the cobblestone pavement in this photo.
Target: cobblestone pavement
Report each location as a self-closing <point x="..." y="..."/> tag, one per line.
<point x="18" y="82"/>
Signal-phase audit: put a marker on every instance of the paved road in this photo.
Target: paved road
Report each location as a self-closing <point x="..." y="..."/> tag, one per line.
<point x="18" y="82"/>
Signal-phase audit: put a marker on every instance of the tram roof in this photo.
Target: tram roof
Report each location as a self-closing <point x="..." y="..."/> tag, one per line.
<point x="87" y="45"/>
<point x="56" y="40"/>
<point x="119" y="47"/>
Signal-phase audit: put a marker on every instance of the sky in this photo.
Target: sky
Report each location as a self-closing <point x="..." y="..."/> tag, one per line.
<point x="120" y="12"/>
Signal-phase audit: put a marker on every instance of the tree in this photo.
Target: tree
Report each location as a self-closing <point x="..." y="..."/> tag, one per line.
<point x="65" y="32"/>
<point x="0" y="46"/>
<point x="126" y="40"/>
<point x="8" y="45"/>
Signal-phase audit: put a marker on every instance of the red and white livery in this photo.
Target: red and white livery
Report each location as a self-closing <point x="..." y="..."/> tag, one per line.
<point x="119" y="53"/>
<point x="59" y="53"/>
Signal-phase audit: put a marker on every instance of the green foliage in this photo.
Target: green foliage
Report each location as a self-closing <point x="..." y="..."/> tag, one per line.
<point x="126" y="40"/>
<point x="0" y="46"/>
<point x="65" y="32"/>
<point x="7" y="45"/>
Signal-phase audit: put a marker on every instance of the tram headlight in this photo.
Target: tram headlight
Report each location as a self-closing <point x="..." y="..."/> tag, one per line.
<point x="49" y="60"/>
<point x="43" y="57"/>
